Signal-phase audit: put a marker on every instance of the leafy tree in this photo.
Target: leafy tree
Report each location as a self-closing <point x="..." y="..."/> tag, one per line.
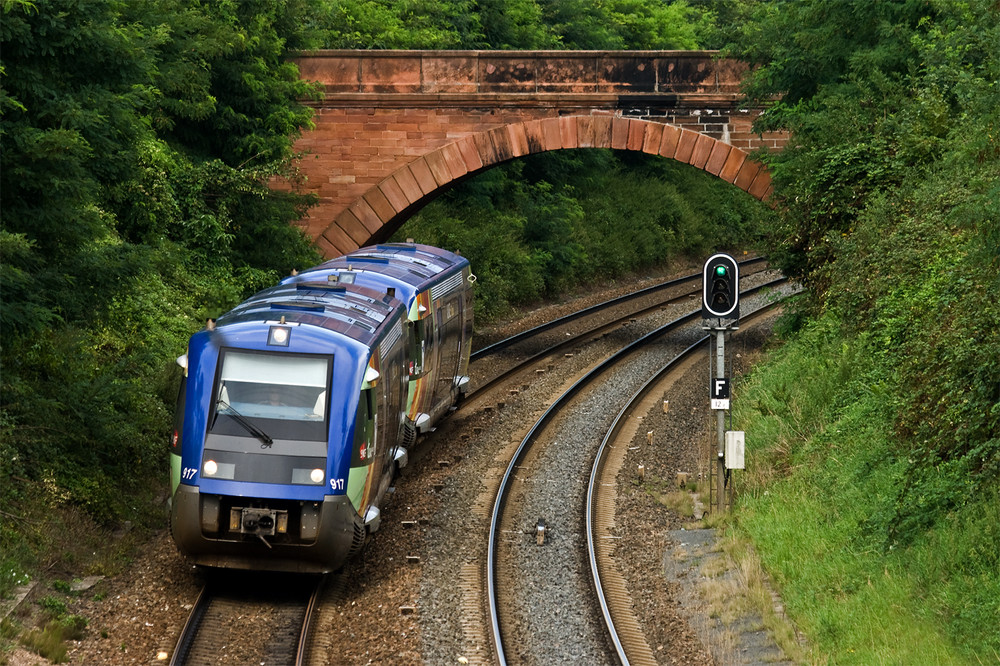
<point x="138" y="141"/>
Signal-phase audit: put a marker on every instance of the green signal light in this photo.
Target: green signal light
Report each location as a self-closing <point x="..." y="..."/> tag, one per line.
<point x="720" y="271"/>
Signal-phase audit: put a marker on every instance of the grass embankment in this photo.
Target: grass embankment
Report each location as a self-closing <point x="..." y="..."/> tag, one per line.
<point x="820" y="500"/>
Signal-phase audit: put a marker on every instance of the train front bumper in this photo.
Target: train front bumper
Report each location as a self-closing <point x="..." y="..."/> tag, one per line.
<point x="258" y="534"/>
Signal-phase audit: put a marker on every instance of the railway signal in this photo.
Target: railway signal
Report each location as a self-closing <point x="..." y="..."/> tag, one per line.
<point x="720" y="288"/>
<point x="720" y="301"/>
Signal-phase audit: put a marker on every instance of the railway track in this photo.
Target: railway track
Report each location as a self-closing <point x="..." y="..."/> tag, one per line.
<point x="248" y="618"/>
<point x="622" y="627"/>
<point x="546" y="480"/>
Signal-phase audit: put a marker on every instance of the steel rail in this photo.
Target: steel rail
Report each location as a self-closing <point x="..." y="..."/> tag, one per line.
<point x="601" y="458"/>
<point x="307" y="623"/>
<point x="502" y="492"/>
<point x="190" y="629"/>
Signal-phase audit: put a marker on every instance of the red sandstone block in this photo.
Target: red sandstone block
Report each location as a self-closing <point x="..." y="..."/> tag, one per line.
<point x="393" y="194"/>
<point x="619" y="133"/>
<point x="552" y="134"/>
<point x="379" y="202"/>
<point x="567" y="74"/>
<point x="636" y="135"/>
<point x="702" y="149"/>
<point x="568" y="132"/>
<point x="747" y="174"/>
<point x="469" y="153"/>
<point x="585" y="131"/>
<point x="453" y="158"/>
<point x="439" y="168"/>
<point x="339" y="241"/>
<point x="535" y="134"/>
<point x="450" y="73"/>
<point x="335" y="234"/>
<point x="518" y="140"/>
<point x="668" y="144"/>
<point x="761" y="184"/>
<point x="685" y="145"/>
<point x="717" y="159"/>
<point x="370" y="219"/>
<point x="501" y="143"/>
<point x="326" y="248"/>
<point x="734" y="160"/>
<point x="351" y="223"/>
<point x="505" y="73"/>
<point x="654" y="135"/>
<point x="390" y="75"/>
<point x="337" y="74"/>
<point x="422" y="174"/>
<point x="408" y="185"/>
<point x="484" y="146"/>
<point x="602" y="131"/>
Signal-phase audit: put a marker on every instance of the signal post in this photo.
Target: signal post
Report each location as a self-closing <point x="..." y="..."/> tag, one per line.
<point x="720" y="308"/>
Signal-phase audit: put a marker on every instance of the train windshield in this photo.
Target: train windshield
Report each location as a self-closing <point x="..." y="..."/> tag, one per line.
<point x="284" y="394"/>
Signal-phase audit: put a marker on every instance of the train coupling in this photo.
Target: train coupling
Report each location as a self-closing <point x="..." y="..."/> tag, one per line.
<point x="261" y="523"/>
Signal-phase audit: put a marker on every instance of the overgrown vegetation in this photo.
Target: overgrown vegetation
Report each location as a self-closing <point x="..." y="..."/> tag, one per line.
<point x="138" y="141"/>
<point x="875" y="433"/>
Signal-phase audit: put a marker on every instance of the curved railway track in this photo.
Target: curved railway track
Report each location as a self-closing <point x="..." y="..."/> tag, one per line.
<point x="623" y="629"/>
<point x="505" y="543"/>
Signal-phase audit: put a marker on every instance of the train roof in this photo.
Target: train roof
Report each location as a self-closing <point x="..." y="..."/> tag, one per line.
<point x="351" y="310"/>
<point x="417" y="265"/>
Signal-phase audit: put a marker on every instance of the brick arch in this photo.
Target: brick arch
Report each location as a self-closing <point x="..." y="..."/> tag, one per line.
<point x="385" y="206"/>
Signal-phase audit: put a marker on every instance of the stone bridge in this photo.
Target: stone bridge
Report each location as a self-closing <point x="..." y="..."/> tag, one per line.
<point x="393" y="129"/>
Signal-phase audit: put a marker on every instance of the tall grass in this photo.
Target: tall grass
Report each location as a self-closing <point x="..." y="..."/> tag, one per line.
<point x="818" y="501"/>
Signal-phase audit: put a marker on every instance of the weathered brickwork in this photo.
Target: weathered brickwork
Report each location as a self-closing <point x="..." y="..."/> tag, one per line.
<point x="395" y="128"/>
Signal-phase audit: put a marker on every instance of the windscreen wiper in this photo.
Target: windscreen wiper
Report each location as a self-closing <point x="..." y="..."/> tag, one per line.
<point x="265" y="439"/>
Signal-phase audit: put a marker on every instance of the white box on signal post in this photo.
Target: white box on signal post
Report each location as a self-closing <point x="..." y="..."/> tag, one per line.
<point x="735" y="449"/>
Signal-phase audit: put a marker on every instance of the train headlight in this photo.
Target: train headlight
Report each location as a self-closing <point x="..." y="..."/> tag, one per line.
<point x="211" y="468"/>
<point x="316" y="476"/>
<point x="278" y="336"/>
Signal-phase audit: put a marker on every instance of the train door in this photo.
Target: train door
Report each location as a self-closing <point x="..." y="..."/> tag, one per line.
<point x="450" y="329"/>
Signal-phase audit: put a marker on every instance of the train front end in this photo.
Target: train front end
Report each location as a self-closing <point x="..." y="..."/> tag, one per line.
<point x="265" y="454"/>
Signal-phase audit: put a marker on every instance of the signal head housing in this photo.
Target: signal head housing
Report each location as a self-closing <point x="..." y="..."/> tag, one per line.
<point x="720" y="288"/>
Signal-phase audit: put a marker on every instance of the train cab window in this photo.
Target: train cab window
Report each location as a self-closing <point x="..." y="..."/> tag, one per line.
<point x="284" y="394"/>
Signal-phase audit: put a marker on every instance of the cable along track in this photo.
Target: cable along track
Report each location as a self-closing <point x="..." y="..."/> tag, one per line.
<point x="548" y="611"/>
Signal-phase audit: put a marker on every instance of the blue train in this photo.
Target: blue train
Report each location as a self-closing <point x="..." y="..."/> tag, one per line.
<point x="297" y="406"/>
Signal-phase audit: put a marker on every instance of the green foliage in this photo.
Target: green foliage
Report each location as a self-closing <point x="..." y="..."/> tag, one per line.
<point x="511" y="24"/>
<point x="822" y="496"/>
<point x="889" y="453"/>
<point x="535" y="227"/>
